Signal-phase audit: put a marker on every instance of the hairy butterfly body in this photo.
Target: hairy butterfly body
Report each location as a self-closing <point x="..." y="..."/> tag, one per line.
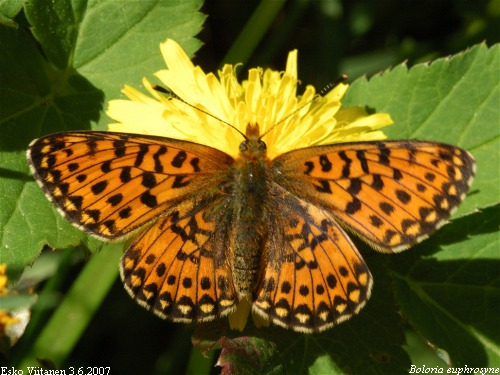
<point x="213" y="230"/>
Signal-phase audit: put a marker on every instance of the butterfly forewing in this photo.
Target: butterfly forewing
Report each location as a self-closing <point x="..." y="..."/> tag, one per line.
<point x="313" y="276"/>
<point x="392" y="194"/>
<point x="111" y="183"/>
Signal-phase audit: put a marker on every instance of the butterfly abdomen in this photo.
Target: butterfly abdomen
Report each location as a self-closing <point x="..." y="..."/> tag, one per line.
<point x="250" y="195"/>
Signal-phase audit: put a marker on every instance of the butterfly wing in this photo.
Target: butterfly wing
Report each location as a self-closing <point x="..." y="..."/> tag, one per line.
<point x="180" y="267"/>
<point x="312" y="275"/>
<point x="110" y="184"/>
<point x="392" y="194"/>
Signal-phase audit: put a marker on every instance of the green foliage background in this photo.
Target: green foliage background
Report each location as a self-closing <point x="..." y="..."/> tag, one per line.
<point x="61" y="62"/>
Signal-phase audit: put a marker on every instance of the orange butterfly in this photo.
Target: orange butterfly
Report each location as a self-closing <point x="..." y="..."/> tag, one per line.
<point x="213" y="230"/>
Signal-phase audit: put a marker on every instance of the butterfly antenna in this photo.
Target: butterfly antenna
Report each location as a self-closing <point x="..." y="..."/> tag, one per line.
<point x="330" y="86"/>
<point x="175" y="96"/>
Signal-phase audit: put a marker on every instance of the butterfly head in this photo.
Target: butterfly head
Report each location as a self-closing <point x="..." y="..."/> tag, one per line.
<point x="253" y="146"/>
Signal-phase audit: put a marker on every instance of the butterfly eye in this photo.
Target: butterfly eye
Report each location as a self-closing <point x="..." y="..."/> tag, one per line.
<point x="262" y="145"/>
<point x="244" y="146"/>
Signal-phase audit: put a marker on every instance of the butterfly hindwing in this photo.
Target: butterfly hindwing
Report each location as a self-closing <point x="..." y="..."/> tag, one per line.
<point x="313" y="276"/>
<point x="109" y="184"/>
<point x="180" y="267"/>
<point x="392" y="194"/>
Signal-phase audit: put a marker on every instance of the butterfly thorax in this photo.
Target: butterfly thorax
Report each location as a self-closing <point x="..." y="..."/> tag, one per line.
<point x="250" y="192"/>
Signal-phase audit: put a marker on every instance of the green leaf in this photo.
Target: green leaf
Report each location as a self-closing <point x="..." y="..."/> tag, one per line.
<point x="451" y="100"/>
<point x="451" y="294"/>
<point x="17" y="301"/>
<point x="61" y="81"/>
<point x="8" y="10"/>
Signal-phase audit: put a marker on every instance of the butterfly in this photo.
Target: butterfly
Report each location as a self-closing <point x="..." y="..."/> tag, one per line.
<point x="211" y="229"/>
